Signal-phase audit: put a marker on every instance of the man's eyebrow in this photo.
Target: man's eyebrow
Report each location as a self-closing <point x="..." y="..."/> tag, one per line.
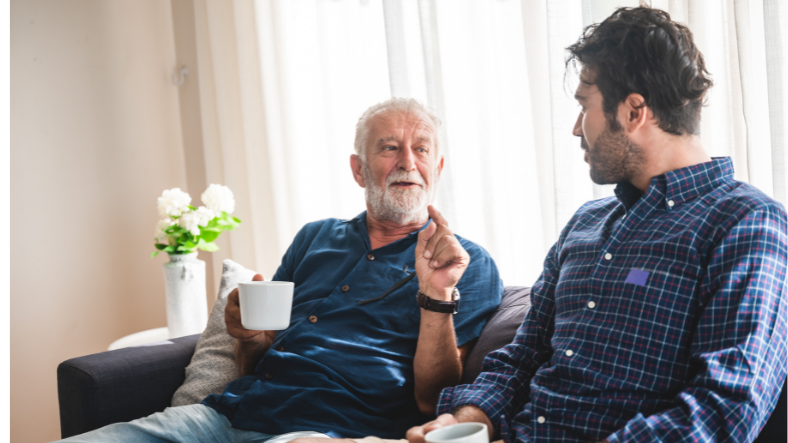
<point x="384" y="140"/>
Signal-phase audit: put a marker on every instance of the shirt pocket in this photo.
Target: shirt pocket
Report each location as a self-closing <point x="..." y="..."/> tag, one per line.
<point x="397" y="312"/>
<point x="655" y="310"/>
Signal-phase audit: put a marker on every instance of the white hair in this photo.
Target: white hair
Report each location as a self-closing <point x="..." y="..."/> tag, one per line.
<point x="407" y="105"/>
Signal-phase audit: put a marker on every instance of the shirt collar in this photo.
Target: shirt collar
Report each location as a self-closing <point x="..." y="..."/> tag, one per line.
<point x="361" y="222"/>
<point x="681" y="185"/>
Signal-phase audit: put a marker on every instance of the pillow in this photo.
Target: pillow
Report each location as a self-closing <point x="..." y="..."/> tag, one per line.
<point x="499" y="330"/>
<point x="213" y="363"/>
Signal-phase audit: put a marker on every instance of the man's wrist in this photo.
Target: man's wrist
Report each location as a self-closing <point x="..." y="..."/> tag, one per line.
<point x="473" y="414"/>
<point x="438" y="294"/>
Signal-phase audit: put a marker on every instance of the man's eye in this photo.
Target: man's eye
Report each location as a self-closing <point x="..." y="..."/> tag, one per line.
<point x="421" y="149"/>
<point x="389" y="148"/>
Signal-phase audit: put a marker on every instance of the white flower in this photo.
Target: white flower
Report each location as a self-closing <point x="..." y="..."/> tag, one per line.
<point x="161" y="237"/>
<point x="173" y="203"/>
<point x="192" y="220"/>
<point x="218" y="199"/>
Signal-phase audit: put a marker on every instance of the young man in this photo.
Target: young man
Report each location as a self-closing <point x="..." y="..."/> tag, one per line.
<point x="377" y="328"/>
<point x="661" y="312"/>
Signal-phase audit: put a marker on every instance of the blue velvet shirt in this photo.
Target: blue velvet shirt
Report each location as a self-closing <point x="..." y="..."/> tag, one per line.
<point x="344" y="368"/>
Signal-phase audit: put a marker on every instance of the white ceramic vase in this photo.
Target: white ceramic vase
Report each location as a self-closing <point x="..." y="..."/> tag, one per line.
<point x="184" y="285"/>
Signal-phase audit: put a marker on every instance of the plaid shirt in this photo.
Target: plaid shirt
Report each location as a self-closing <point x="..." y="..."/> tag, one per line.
<point x="656" y="318"/>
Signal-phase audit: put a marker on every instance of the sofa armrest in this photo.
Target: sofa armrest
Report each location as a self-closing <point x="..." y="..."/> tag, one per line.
<point x="122" y="385"/>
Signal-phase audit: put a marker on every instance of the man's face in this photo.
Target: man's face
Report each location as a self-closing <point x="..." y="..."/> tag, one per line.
<point x="610" y="153"/>
<point x="402" y="167"/>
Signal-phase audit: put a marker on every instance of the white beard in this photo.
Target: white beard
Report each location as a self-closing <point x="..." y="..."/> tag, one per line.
<point x="402" y="206"/>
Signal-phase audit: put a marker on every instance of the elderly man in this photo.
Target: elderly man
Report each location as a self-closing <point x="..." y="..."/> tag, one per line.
<point x="377" y="328"/>
<point x="661" y="312"/>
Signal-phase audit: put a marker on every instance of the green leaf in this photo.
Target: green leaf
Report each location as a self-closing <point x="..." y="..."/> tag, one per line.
<point x="237" y="220"/>
<point x="155" y="253"/>
<point x="169" y="249"/>
<point x="209" y="235"/>
<point x="160" y="246"/>
<point x="208" y="246"/>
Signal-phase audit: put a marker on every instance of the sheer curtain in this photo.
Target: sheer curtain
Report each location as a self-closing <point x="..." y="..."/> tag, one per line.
<point x="494" y="72"/>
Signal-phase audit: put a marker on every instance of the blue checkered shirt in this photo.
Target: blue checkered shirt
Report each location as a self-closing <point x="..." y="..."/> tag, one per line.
<point x="658" y="317"/>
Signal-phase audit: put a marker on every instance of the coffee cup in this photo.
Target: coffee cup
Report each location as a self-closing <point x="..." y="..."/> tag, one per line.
<point x="265" y="305"/>
<point x="459" y="433"/>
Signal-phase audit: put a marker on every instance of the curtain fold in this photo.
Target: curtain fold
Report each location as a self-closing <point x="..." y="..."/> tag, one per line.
<point x="283" y="84"/>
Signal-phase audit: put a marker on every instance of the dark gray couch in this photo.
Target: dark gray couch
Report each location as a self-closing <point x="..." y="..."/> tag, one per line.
<point x="126" y="384"/>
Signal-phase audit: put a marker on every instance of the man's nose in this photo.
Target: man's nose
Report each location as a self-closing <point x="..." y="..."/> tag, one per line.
<point x="578" y="129"/>
<point x="407" y="161"/>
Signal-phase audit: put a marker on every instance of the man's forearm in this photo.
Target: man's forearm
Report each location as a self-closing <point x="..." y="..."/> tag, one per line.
<point x="437" y="363"/>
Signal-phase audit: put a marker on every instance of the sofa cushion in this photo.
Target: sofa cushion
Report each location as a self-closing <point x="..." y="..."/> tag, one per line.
<point x="499" y="330"/>
<point x="213" y="363"/>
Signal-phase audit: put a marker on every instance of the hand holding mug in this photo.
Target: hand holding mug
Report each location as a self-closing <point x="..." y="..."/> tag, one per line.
<point x="232" y="317"/>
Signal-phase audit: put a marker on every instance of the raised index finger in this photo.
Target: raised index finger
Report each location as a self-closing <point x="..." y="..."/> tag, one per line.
<point x="436" y="216"/>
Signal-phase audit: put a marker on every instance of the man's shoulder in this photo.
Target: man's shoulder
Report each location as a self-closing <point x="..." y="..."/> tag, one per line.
<point x="473" y="249"/>
<point x="326" y="224"/>
<point x="594" y="209"/>
<point x="739" y="199"/>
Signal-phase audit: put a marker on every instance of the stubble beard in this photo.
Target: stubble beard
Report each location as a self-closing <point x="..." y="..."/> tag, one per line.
<point x="401" y="206"/>
<point x="614" y="159"/>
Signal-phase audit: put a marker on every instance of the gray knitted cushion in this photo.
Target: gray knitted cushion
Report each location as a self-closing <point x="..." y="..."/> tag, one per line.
<point x="213" y="363"/>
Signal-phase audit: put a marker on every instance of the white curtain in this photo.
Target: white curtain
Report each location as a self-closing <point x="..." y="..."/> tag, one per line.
<point x="494" y="72"/>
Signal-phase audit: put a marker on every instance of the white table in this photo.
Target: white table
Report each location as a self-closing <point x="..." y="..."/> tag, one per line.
<point x="141" y="338"/>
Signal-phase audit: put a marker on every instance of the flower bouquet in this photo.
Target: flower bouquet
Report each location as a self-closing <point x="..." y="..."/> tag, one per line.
<point x="184" y="228"/>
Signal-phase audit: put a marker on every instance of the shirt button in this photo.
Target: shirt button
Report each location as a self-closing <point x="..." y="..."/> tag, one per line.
<point x="670" y="203"/>
<point x="540" y="419"/>
<point x="345" y="288"/>
<point x="569" y="353"/>
<point x="269" y="375"/>
<point x="280" y="348"/>
<point x="608" y="256"/>
<point x="370" y="257"/>
<point x="312" y="319"/>
<point x="591" y="305"/>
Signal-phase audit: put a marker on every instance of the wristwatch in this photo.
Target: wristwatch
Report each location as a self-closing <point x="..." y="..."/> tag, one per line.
<point x="444" y="307"/>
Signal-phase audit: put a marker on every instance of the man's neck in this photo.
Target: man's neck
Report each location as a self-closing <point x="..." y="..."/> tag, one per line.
<point x="383" y="232"/>
<point x="668" y="153"/>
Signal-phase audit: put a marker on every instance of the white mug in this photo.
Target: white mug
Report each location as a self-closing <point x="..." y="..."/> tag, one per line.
<point x="459" y="433"/>
<point x="265" y="305"/>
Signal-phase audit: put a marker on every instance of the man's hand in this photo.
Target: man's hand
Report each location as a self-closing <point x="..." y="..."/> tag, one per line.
<point x="440" y="258"/>
<point x="463" y="414"/>
<point x="232" y="320"/>
<point x="249" y="345"/>
<point x="416" y="434"/>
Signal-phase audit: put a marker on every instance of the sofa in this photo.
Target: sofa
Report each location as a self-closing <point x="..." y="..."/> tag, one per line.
<point x="125" y="384"/>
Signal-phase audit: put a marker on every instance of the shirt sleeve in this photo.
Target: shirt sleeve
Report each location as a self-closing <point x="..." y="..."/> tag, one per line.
<point x="738" y="350"/>
<point x="502" y="388"/>
<point x="294" y="254"/>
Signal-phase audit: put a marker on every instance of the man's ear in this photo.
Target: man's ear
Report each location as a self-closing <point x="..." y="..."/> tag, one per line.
<point x="633" y="113"/>
<point x="356" y="165"/>
<point x="440" y="166"/>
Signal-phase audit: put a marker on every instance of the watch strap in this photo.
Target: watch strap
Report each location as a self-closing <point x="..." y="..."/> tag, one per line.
<point x="444" y="307"/>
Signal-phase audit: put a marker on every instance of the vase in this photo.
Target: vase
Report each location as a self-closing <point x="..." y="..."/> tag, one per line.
<point x="184" y="286"/>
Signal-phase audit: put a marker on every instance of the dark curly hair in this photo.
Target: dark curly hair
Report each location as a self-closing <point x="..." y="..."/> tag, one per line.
<point x="640" y="50"/>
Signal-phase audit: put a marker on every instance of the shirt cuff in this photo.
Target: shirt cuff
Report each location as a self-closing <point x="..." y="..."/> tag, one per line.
<point x="477" y="394"/>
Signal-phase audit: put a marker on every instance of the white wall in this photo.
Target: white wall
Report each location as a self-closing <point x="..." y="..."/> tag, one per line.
<point x="95" y="138"/>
